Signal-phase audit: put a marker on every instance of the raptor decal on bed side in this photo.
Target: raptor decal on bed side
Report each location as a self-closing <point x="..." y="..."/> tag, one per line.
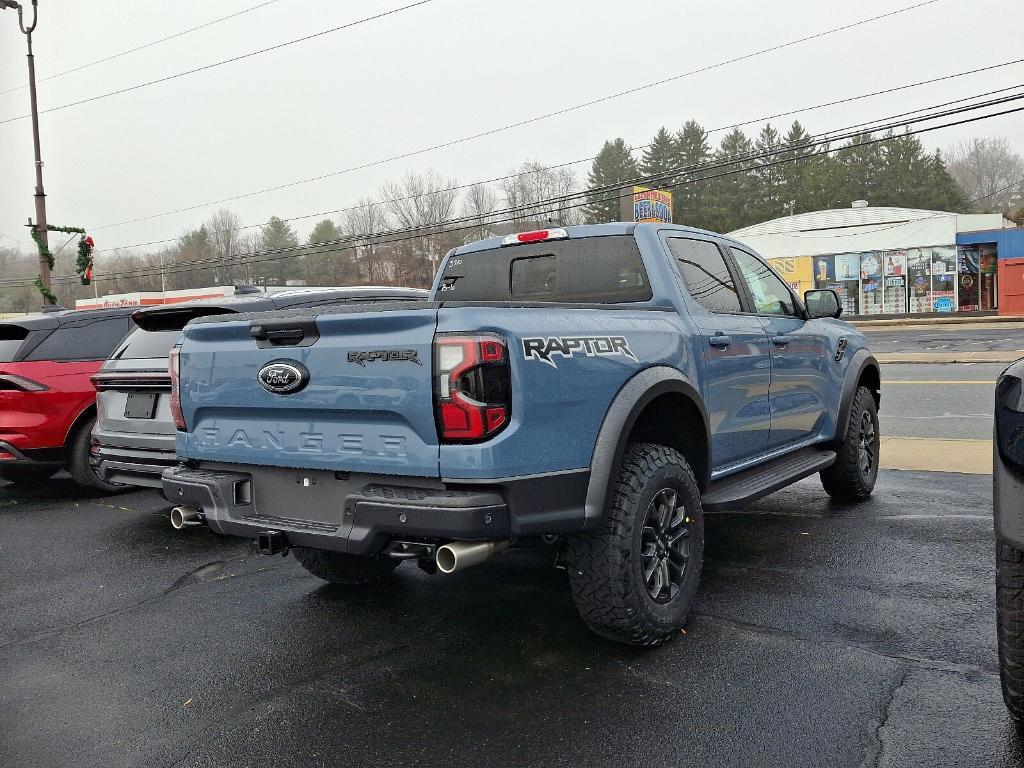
<point x="543" y="348"/>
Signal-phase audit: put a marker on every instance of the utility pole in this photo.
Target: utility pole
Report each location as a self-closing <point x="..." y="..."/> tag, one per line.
<point x="40" y="223"/>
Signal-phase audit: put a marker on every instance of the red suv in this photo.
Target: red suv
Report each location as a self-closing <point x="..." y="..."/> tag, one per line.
<point x="47" y="402"/>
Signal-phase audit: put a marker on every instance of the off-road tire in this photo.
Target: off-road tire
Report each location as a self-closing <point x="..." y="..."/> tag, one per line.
<point x="339" y="568"/>
<point x="846" y="480"/>
<point x="78" y="461"/>
<point x="26" y="477"/>
<point x="605" y="567"/>
<point x="1010" y="625"/>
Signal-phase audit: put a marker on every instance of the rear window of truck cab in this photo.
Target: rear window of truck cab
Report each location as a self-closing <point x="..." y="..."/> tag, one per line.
<point x="587" y="270"/>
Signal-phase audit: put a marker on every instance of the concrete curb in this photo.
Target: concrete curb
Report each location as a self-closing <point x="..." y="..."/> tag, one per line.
<point x="891" y="358"/>
<point x="942" y="320"/>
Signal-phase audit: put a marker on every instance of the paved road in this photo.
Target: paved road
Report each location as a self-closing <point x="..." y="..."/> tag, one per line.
<point x="947" y="338"/>
<point x="940" y="401"/>
<point x="824" y="635"/>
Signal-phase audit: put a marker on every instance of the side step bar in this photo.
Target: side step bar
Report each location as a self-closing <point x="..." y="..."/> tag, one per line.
<point x="751" y="484"/>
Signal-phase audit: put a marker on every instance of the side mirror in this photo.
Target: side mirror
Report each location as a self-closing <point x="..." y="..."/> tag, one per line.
<point x="822" y="303"/>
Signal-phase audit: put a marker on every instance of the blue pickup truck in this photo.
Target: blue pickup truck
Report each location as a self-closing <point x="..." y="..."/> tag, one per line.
<point x="600" y="387"/>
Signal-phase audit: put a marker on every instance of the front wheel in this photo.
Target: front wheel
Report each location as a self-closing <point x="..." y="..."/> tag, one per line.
<point x="634" y="579"/>
<point x="340" y="568"/>
<point x="852" y="477"/>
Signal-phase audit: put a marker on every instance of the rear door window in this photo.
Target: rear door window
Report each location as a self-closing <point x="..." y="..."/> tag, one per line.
<point x="705" y="273"/>
<point x="82" y="340"/>
<point x="589" y="270"/>
<point x="11" y="339"/>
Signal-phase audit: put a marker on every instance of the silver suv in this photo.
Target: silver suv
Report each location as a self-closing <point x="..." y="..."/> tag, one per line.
<point x="133" y="440"/>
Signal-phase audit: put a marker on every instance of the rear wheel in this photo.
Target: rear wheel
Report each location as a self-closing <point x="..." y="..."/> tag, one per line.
<point x="78" y="461"/>
<point x="339" y="568"/>
<point x="27" y="476"/>
<point x="1010" y="625"/>
<point x="634" y="579"/>
<point x="852" y="477"/>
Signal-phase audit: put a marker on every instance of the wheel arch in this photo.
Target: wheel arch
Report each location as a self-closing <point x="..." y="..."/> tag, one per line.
<point x="657" y="405"/>
<point x="863" y="370"/>
<point x="80" y="420"/>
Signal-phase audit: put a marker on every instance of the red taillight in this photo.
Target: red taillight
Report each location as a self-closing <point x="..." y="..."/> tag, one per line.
<point x="11" y="383"/>
<point x="535" y="236"/>
<point x="172" y="368"/>
<point x="472" y="393"/>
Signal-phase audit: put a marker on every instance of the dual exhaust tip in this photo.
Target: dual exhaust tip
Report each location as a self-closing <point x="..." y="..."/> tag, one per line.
<point x="450" y="558"/>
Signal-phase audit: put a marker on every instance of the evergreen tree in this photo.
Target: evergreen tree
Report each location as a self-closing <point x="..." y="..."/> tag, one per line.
<point x="861" y="167"/>
<point x="613" y="167"/>
<point x="945" y="194"/>
<point x="659" y="157"/>
<point x="729" y="196"/>
<point x="324" y="231"/>
<point x="277" y="268"/>
<point x="767" y="177"/>
<point x="797" y="147"/>
<point x="692" y="149"/>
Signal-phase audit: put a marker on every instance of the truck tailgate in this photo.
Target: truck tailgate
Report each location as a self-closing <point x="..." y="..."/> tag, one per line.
<point x="367" y="405"/>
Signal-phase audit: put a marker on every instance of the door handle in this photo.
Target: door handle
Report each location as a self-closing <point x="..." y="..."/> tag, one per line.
<point x="720" y="341"/>
<point x="781" y="341"/>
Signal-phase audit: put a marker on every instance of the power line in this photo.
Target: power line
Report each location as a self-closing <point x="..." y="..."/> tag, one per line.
<point x="440" y="227"/>
<point x="637" y="148"/>
<point x="518" y="123"/>
<point x="144" y="46"/>
<point x="233" y="59"/>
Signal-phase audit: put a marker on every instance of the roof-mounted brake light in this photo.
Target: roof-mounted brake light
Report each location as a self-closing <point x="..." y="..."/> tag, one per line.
<point x="535" y="236"/>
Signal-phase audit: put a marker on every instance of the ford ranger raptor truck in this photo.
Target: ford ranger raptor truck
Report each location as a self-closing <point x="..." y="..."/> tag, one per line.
<point x="601" y="386"/>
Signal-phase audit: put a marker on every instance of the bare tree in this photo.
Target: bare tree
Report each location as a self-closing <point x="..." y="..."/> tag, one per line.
<point x="989" y="171"/>
<point x="223" y="228"/>
<point x="423" y="203"/>
<point x="530" y="186"/>
<point x="480" y="203"/>
<point x="367" y="218"/>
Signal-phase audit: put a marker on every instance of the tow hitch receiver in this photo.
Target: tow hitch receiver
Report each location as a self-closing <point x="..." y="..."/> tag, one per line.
<point x="272" y="542"/>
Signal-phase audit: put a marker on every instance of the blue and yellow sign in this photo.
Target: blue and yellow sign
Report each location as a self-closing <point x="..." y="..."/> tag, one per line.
<point x="649" y="205"/>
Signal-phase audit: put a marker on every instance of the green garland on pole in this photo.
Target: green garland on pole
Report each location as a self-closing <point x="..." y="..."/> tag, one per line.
<point x="83" y="265"/>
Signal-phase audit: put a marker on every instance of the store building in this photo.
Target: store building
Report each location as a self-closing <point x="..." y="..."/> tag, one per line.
<point x="1003" y="250"/>
<point x="887" y="261"/>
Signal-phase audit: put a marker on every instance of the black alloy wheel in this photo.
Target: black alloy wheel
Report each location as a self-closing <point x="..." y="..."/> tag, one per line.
<point x="665" y="545"/>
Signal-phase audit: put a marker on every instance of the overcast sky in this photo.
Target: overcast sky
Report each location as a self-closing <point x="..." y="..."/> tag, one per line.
<point x="430" y="74"/>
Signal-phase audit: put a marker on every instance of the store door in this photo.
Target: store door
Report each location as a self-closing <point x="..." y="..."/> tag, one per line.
<point x="1011" y="287"/>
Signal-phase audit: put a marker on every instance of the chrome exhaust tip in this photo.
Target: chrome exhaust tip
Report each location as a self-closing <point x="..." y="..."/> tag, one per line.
<point x="462" y="554"/>
<point x="182" y="516"/>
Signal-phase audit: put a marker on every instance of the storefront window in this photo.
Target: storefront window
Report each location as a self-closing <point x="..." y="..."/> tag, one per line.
<point x="894" y="282"/>
<point x="943" y="279"/>
<point x="870" y="284"/>
<point x="919" y="280"/>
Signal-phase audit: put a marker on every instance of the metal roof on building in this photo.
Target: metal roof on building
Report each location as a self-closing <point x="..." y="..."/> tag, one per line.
<point x="854" y="230"/>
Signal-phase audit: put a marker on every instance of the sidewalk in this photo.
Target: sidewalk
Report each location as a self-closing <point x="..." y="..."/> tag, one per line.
<point x="998" y="356"/>
<point x="933" y="455"/>
<point x="926" y="321"/>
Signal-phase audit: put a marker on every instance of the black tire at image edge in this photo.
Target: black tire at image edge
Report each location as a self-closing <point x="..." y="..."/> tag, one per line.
<point x="1010" y="625"/>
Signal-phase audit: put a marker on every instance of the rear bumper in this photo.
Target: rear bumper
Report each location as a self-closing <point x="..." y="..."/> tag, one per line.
<point x="361" y="514"/>
<point x="131" y="466"/>
<point x="11" y="456"/>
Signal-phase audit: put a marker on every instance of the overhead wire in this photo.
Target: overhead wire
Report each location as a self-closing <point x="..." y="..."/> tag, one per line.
<point x="522" y="122"/>
<point x="385" y="238"/>
<point x="150" y="44"/>
<point x="590" y="158"/>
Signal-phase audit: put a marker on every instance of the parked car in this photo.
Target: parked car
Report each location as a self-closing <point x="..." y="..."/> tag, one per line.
<point x="1008" y="505"/>
<point x="133" y="440"/>
<point x="602" y="386"/>
<point x="47" y="403"/>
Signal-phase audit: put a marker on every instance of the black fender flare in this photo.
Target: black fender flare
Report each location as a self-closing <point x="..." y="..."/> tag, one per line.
<point x="622" y="414"/>
<point x="862" y="360"/>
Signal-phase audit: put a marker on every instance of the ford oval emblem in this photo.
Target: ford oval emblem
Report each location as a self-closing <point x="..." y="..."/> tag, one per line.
<point x="283" y="377"/>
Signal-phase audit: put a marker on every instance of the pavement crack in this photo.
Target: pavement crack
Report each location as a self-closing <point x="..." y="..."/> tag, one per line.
<point x="920" y="662"/>
<point x="203" y="573"/>
<point x="875" y="749"/>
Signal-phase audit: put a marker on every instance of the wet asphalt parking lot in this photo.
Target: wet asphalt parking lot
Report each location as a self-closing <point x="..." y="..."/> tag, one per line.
<point x="824" y="635"/>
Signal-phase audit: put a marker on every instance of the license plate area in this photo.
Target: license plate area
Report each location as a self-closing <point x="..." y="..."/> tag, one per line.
<point x="140" y="405"/>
